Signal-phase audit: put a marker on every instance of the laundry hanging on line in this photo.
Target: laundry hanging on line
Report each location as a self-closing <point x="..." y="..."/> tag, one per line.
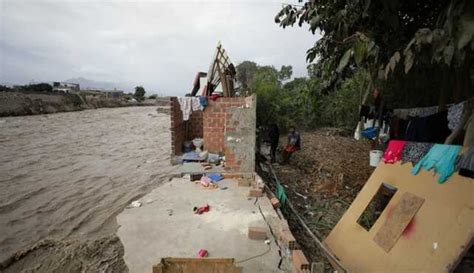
<point x="455" y="112"/>
<point x="188" y="105"/>
<point x="394" y="150"/>
<point x="414" y="151"/>
<point x="465" y="165"/>
<point x="441" y="158"/>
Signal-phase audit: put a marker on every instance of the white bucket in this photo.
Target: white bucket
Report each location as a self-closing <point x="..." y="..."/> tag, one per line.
<point x="375" y="156"/>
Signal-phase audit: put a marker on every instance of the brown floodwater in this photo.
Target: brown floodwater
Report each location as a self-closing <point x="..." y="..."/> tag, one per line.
<point x="63" y="179"/>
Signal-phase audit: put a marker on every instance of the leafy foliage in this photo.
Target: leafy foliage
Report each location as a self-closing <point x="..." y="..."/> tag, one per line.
<point x="301" y="102"/>
<point x="381" y="36"/>
<point x="139" y="93"/>
<point x="36" y="88"/>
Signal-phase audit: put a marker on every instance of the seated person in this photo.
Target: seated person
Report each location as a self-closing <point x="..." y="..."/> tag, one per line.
<point x="293" y="145"/>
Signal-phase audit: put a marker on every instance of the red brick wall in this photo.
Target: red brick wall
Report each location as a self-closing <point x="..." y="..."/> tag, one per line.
<point x="178" y="126"/>
<point x="214" y="122"/>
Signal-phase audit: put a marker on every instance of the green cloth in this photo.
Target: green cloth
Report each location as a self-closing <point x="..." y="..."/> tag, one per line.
<point x="281" y="195"/>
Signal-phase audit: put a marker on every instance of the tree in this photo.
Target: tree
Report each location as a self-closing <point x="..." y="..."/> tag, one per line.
<point x="37" y="88"/>
<point x="139" y="93"/>
<point x="153" y="97"/>
<point x="285" y="72"/>
<point x="245" y="71"/>
<point x="391" y="39"/>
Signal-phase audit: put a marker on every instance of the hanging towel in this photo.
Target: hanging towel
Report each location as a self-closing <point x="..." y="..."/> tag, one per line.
<point x="465" y="164"/>
<point x="203" y="101"/>
<point x="393" y="153"/>
<point x="186" y="108"/>
<point x="196" y="104"/>
<point x="441" y="158"/>
<point x="414" y="151"/>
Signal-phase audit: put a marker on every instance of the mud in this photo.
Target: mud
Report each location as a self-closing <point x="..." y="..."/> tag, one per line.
<point x="63" y="179"/>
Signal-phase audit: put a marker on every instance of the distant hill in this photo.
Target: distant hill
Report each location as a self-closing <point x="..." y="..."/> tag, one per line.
<point x="90" y="84"/>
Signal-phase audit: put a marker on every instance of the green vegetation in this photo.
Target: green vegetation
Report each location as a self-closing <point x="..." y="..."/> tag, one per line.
<point x="153" y="97"/>
<point x="139" y="93"/>
<point x="301" y="101"/>
<point x="415" y="52"/>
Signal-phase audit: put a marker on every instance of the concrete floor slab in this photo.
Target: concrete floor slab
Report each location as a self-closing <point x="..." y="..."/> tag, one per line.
<point x="166" y="226"/>
<point x="195" y="167"/>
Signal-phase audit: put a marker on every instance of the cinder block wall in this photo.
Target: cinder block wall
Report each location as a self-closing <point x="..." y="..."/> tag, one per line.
<point x="178" y="126"/>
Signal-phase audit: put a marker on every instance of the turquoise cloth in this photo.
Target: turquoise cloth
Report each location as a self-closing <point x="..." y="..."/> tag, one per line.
<point x="441" y="158"/>
<point x="281" y="195"/>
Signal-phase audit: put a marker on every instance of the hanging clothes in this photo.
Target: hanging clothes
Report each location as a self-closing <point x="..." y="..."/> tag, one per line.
<point x="416" y="112"/>
<point x="203" y="101"/>
<point x="196" y="104"/>
<point x="454" y="115"/>
<point x="465" y="165"/>
<point x="414" y="151"/>
<point x="441" y="158"/>
<point x="393" y="153"/>
<point x="186" y="107"/>
<point x="433" y="128"/>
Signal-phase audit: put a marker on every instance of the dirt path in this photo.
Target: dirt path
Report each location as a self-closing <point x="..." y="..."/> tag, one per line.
<point x="322" y="180"/>
<point x="64" y="178"/>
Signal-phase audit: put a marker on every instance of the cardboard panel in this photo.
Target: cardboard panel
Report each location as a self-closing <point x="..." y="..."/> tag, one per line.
<point x="446" y="220"/>
<point x="401" y="216"/>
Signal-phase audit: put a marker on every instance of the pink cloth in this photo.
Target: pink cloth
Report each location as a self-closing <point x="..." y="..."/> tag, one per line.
<point x="393" y="153"/>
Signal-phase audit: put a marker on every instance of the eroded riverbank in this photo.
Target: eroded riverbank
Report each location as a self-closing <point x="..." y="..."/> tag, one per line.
<point x="64" y="177"/>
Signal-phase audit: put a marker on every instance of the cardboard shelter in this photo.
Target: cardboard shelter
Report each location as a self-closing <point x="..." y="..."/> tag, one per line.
<point x="426" y="226"/>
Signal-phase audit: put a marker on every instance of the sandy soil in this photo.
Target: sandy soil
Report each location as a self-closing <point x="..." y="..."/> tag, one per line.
<point x="64" y="178"/>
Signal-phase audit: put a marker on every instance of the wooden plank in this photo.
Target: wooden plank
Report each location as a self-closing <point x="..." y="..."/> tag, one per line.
<point x="197" y="265"/>
<point x="399" y="219"/>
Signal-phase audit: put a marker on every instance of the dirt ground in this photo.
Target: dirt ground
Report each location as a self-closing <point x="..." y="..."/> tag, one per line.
<point x="322" y="180"/>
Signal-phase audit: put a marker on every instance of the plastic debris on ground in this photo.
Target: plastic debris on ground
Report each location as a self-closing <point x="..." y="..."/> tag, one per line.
<point x="202" y="209"/>
<point x="215" y="177"/>
<point x="135" y="204"/>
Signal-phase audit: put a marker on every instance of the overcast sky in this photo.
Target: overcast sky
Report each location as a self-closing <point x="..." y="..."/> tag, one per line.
<point x="158" y="44"/>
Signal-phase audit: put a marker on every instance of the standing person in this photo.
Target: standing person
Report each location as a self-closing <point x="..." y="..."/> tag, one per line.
<point x="274" y="135"/>
<point x="293" y="145"/>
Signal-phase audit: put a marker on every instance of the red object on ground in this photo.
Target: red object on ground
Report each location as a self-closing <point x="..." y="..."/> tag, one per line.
<point x="291" y="148"/>
<point x="202" y="253"/>
<point x="202" y="209"/>
<point x="393" y="153"/>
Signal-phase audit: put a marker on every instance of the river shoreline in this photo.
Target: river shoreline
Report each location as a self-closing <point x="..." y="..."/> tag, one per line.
<point x="25" y="104"/>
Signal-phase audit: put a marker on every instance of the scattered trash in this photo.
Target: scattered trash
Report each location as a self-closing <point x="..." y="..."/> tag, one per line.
<point x="223" y="188"/>
<point x="215" y="177"/>
<point x="206" y="182"/>
<point x="435" y="245"/>
<point x="203" y="253"/>
<point x="170" y="212"/>
<point x="201" y="210"/>
<point x="135" y="204"/>
<point x="195" y="177"/>
<point x="267" y="242"/>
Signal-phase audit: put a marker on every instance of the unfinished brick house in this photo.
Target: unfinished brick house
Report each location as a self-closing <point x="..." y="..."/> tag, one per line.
<point x="227" y="126"/>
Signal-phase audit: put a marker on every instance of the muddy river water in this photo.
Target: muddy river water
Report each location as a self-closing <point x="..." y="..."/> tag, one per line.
<point x="63" y="179"/>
